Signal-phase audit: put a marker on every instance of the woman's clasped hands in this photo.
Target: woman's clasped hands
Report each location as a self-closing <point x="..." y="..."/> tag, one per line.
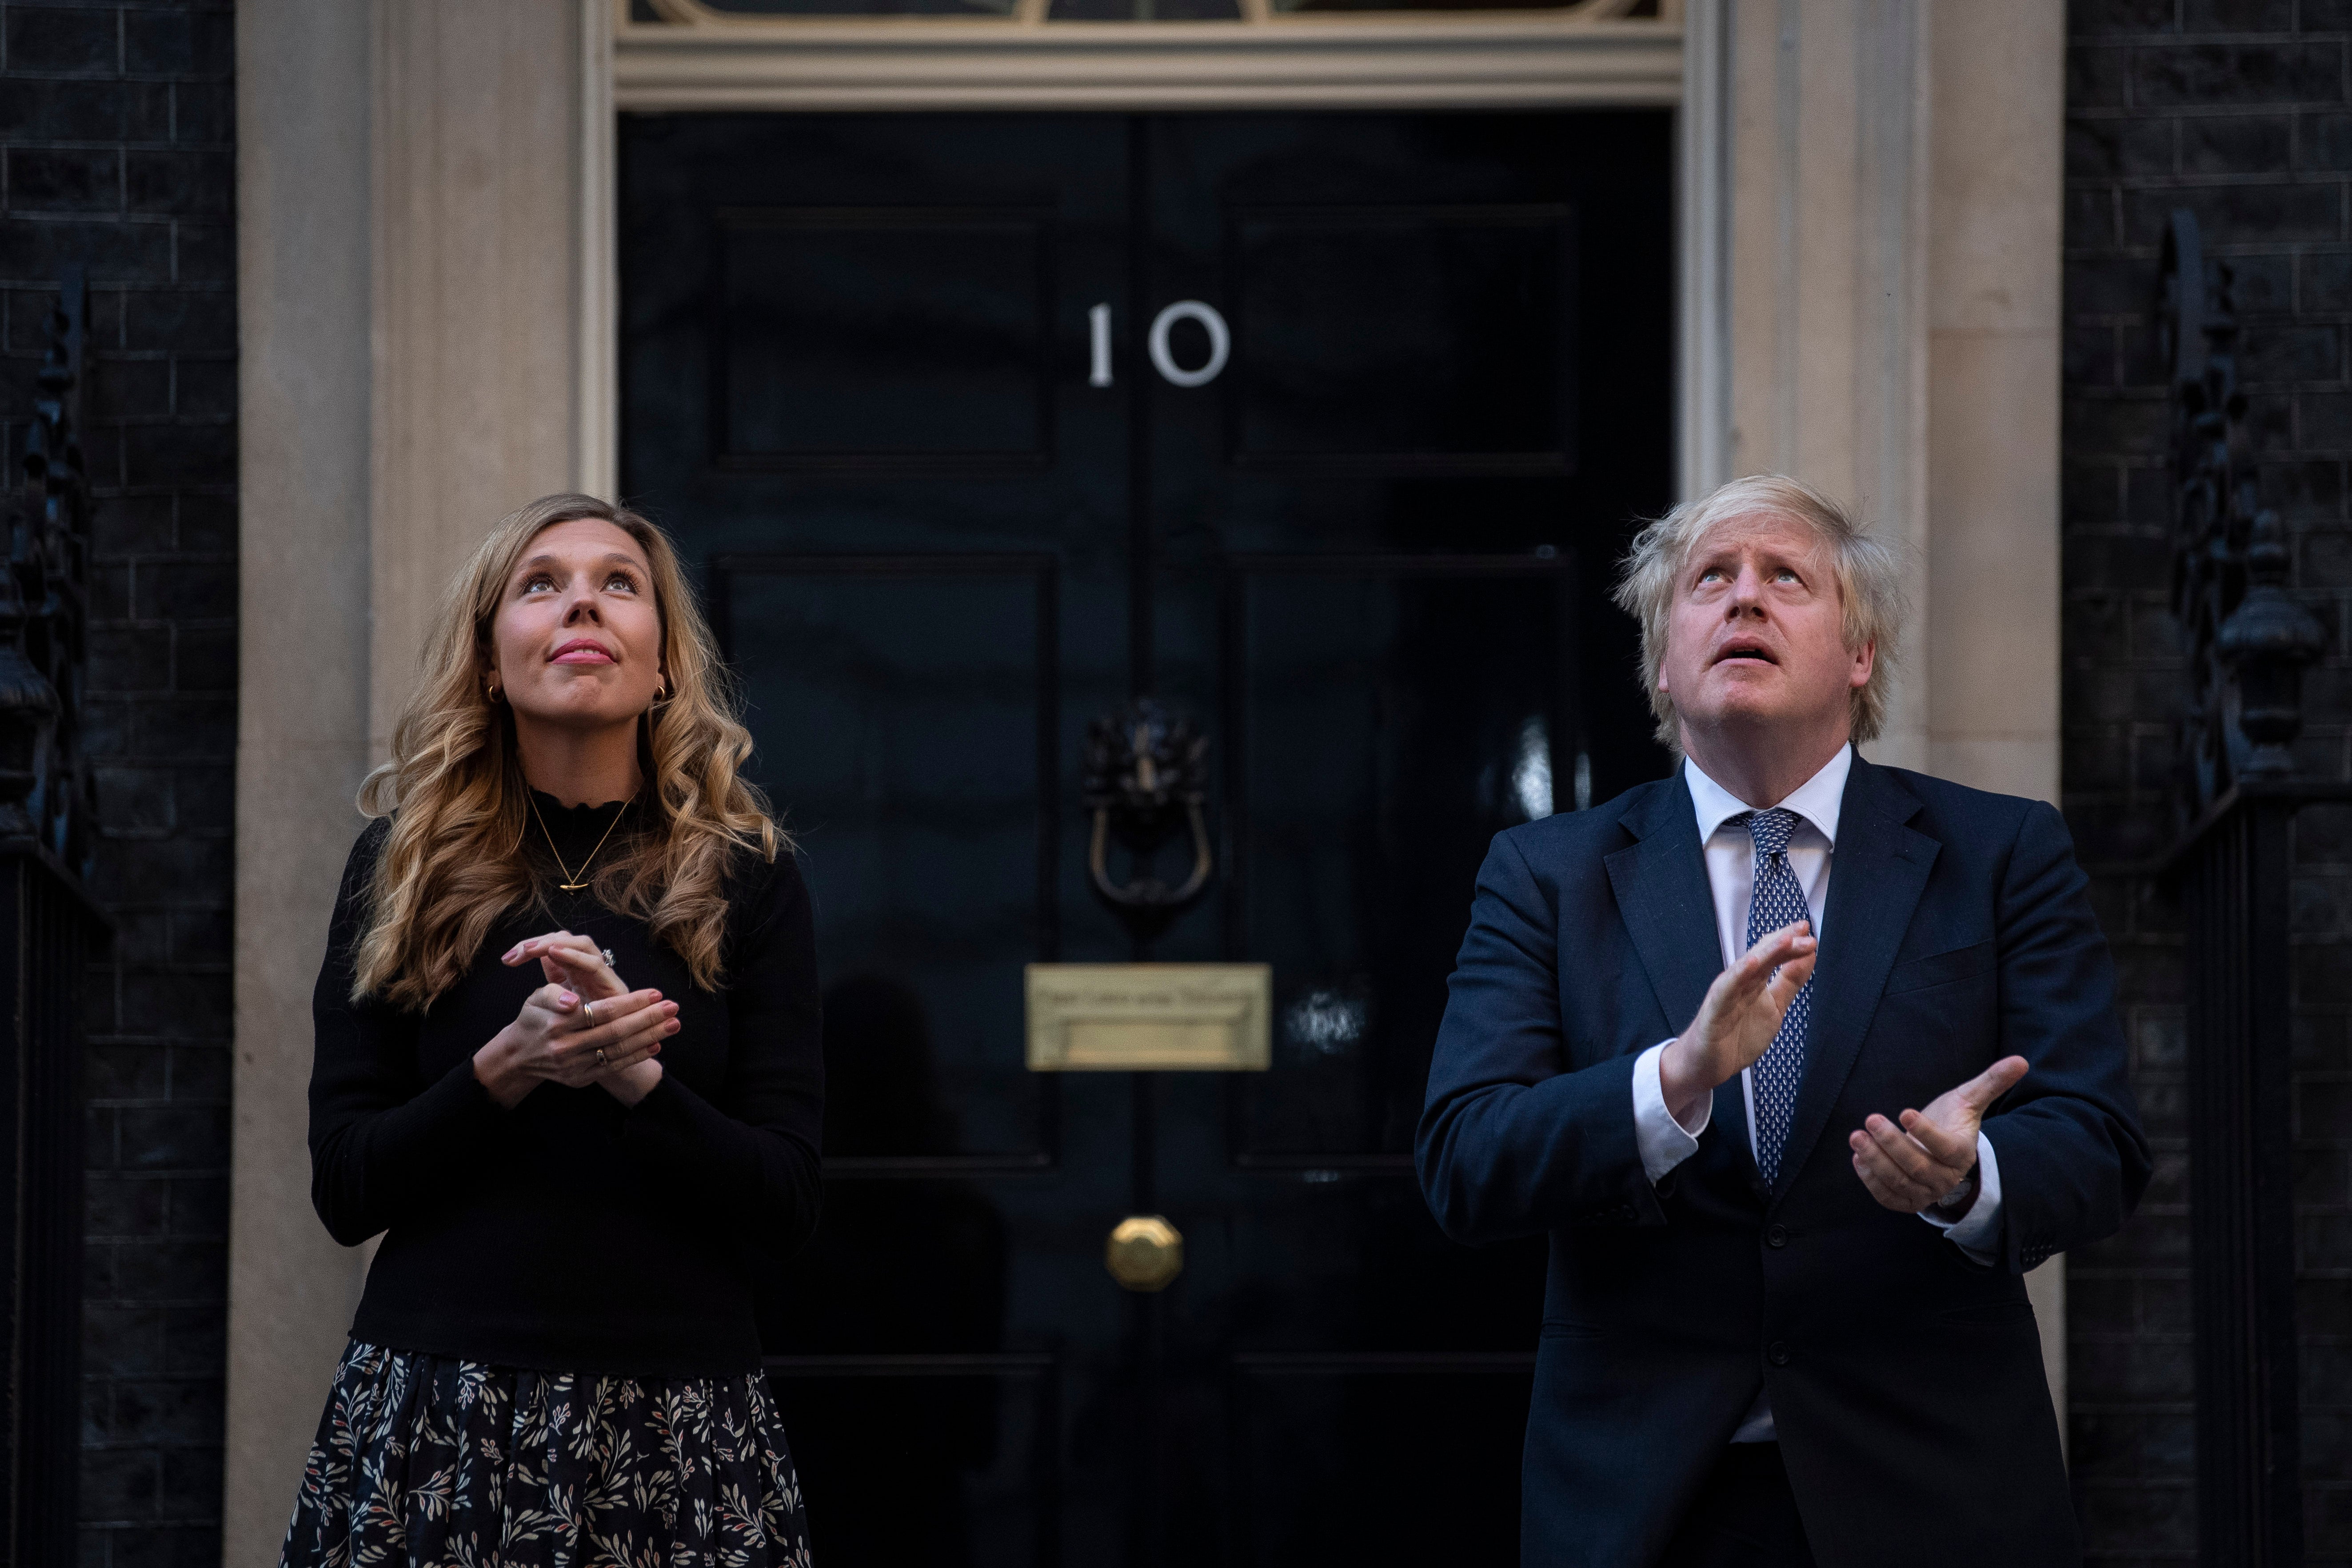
<point x="584" y="1026"/>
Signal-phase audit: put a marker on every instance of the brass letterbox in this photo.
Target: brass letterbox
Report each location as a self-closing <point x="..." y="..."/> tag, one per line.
<point x="1149" y="1017"/>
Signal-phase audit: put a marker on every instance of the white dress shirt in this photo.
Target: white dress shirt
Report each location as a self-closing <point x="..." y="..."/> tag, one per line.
<point x="1664" y="1142"/>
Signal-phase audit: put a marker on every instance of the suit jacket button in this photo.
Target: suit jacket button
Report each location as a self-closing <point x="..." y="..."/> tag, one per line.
<point x="1777" y="1353"/>
<point x="1776" y="1236"/>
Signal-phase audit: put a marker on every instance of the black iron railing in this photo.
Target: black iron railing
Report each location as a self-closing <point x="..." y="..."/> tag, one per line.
<point x="2237" y="793"/>
<point x="46" y="926"/>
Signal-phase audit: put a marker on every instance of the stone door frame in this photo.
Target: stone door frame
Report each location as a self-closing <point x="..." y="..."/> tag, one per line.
<point x="1867" y="296"/>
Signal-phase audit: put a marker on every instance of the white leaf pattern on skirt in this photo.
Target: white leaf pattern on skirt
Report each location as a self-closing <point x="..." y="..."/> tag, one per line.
<point x="425" y="1459"/>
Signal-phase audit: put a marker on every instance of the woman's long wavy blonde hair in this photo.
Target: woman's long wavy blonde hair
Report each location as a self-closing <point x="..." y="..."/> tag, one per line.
<point x="453" y="863"/>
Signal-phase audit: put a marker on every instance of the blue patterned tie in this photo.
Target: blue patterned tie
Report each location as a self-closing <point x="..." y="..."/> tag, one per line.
<point x="1778" y="899"/>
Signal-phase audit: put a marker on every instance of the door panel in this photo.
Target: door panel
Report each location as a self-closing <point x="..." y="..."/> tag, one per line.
<point x="886" y="337"/>
<point x="1348" y="677"/>
<point x="943" y="1460"/>
<point x="1405" y="338"/>
<point x="913" y="703"/>
<point x="861" y="386"/>
<point x="1330" y="1475"/>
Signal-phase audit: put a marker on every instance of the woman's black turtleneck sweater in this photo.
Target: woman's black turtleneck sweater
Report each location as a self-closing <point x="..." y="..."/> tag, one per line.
<point x="572" y="1233"/>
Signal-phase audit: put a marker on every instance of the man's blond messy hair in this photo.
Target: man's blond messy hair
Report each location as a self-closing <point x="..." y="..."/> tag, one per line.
<point x="1868" y="573"/>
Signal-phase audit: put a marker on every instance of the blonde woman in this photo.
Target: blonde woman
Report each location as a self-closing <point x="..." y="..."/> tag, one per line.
<point x="555" y="1359"/>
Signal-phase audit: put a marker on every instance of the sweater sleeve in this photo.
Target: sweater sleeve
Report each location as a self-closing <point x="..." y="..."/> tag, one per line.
<point x="386" y="1144"/>
<point x="750" y="1161"/>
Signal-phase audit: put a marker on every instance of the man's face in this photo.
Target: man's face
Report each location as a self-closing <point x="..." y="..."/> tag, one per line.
<point x="1755" y="634"/>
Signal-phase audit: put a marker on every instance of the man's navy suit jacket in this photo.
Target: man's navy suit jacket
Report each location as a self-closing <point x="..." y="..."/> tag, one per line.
<point x="1905" y="1381"/>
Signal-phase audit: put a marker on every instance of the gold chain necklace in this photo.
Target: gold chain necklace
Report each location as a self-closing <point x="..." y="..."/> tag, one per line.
<point x="577" y="882"/>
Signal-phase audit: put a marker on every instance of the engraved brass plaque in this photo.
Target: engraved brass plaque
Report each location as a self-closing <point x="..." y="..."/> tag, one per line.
<point x="1149" y="1017"/>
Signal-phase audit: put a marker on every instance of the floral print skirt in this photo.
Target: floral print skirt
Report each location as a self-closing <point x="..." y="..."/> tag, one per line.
<point x="421" y="1459"/>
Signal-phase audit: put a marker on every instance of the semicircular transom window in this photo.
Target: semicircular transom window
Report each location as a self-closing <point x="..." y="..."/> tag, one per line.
<point x="724" y="12"/>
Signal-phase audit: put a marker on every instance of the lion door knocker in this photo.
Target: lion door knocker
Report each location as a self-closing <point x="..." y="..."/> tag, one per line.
<point x="1145" y="782"/>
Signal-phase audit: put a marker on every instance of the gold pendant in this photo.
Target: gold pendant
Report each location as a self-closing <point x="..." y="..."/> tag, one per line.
<point x="580" y="883"/>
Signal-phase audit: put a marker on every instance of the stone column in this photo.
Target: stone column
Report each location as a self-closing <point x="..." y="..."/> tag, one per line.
<point x="476" y="299"/>
<point x="1992" y="395"/>
<point x="1828" y="281"/>
<point x="413" y="298"/>
<point x="302" y="561"/>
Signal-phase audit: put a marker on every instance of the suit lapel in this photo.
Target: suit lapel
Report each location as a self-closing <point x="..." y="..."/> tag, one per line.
<point x="1663" y="895"/>
<point x="1662" y="892"/>
<point x="1876" y="874"/>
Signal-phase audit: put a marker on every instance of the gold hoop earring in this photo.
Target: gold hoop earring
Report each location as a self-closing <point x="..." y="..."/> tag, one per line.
<point x="492" y="688"/>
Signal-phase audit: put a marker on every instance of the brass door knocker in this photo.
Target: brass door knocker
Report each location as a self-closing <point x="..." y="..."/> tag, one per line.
<point x="1145" y="781"/>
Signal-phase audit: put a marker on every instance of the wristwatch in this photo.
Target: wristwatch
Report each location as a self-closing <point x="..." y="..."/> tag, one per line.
<point x="1956" y="1202"/>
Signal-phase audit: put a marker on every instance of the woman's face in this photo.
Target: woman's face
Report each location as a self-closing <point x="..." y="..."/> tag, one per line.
<point x="577" y="641"/>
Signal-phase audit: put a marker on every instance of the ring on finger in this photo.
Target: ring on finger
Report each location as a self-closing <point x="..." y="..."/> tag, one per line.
<point x="606" y="954"/>
<point x="600" y="1057"/>
<point x="588" y="1012"/>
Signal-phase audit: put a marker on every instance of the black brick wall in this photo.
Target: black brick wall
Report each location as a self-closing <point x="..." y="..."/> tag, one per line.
<point x="115" y="151"/>
<point x="2239" y="110"/>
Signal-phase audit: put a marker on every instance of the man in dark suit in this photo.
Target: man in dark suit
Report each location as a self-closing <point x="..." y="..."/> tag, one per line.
<point x="1792" y="1187"/>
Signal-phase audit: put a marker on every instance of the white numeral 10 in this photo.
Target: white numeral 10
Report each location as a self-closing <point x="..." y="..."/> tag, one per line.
<point x="1220" y="343"/>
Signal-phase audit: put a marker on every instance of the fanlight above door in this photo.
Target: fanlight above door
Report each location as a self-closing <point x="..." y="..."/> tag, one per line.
<point x="740" y="13"/>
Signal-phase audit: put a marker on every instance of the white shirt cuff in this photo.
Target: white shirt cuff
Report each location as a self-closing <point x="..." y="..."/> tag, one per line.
<point x="1664" y="1141"/>
<point x="1976" y="1233"/>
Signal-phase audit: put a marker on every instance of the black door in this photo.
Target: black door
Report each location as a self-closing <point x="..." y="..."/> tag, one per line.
<point x="928" y="399"/>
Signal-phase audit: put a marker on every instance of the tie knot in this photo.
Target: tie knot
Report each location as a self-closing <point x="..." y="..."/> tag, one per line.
<point x="1770" y="830"/>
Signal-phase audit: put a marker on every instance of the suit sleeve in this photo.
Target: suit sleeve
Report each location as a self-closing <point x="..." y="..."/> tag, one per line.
<point x="2074" y="1161"/>
<point x="1512" y="1141"/>
<point x="386" y="1144"/>
<point x="749" y="1162"/>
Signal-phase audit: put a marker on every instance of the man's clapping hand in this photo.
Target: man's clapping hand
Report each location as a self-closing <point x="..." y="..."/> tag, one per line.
<point x="1916" y="1165"/>
<point x="1736" y="1021"/>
